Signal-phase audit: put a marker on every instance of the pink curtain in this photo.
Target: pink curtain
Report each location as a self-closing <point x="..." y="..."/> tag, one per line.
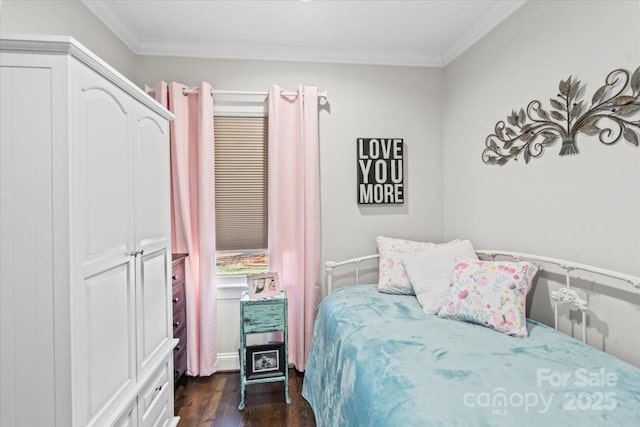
<point x="193" y="215"/>
<point x="294" y="210"/>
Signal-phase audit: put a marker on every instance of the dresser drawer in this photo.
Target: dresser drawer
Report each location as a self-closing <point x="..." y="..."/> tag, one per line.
<point x="177" y="272"/>
<point x="179" y="365"/>
<point x="182" y="342"/>
<point x="180" y="355"/>
<point x="179" y="320"/>
<point x="266" y="316"/>
<point x="178" y="297"/>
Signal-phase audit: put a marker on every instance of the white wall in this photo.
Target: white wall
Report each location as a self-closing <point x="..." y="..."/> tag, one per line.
<point x="68" y="18"/>
<point x="582" y="208"/>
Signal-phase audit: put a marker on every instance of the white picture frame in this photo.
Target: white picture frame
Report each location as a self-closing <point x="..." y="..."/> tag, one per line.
<point x="263" y="285"/>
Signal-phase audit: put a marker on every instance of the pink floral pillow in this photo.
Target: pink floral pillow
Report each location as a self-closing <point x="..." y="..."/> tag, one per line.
<point x="393" y="277"/>
<point x="492" y="294"/>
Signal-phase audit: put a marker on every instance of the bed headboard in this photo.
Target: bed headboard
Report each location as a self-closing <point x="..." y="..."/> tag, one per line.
<point x="563" y="295"/>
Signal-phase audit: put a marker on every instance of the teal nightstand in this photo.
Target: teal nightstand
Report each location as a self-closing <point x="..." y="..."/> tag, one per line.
<point x="259" y="316"/>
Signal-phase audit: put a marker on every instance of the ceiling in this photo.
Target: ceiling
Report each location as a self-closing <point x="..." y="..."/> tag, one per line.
<point x="397" y="32"/>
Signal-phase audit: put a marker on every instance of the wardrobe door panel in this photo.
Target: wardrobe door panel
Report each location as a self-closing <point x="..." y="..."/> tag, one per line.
<point x="152" y="203"/>
<point x="153" y="305"/>
<point x="102" y="142"/>
<point x="109" y="338"/>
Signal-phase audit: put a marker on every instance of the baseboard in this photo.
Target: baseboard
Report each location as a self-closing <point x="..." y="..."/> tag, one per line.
<point x="228" y="362"/>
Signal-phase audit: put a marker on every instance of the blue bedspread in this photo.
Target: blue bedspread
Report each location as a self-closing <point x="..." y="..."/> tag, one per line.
<point x="378" y="360"/>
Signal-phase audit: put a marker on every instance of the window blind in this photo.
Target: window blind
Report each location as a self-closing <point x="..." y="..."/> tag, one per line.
<point x="241" y="182"/>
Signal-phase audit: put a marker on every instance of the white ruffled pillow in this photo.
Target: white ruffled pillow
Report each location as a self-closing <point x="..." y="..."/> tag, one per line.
<point x="430" y="272"/>
<point x="393" y="277"/>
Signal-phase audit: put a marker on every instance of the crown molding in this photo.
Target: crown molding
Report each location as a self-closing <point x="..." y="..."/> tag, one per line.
<point x="480" y="28"/>
<point x="109" y="18"/>
<point x="285" y="53"/>
<point x="103" y="9"/>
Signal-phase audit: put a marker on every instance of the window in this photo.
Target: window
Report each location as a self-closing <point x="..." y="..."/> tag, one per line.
<point x="241" y="194"/>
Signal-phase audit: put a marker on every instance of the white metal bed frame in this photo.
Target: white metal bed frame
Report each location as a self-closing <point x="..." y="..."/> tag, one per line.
<point x="564" y="295"/>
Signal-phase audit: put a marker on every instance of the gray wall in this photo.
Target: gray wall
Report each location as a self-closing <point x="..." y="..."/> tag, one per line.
<point x="582" y="208"/>
<point x="68" y="18"/>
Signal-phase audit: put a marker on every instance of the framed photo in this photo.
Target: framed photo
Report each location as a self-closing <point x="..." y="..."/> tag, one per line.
<point x="265" y="361"/>
<point x="263" y="285"/>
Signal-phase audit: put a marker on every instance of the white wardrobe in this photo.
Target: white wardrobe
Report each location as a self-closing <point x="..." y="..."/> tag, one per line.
<point x="85" y="332"/>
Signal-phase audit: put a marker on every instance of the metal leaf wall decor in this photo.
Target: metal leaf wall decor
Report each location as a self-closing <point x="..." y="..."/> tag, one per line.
<point x="609" y="114"/>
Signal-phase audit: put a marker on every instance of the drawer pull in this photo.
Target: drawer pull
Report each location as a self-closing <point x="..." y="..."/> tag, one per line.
<point x="174" y="277"/>
<point x="176" y="324"/>
<point x="177" y="348"/>
<point x="176" y="300"/>
<point x="151" y="398"/>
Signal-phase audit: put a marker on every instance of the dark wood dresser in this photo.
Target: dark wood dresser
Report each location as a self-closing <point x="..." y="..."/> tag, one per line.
<point x="179" y="321"/>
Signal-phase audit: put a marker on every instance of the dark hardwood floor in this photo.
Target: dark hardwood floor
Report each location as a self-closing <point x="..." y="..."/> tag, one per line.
<point x="213" y="401"/>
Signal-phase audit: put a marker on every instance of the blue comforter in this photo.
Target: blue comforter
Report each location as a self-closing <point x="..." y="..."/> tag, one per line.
<point x="378" y="360"/>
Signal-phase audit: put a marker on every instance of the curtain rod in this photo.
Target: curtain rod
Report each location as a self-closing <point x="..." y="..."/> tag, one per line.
<point x="190" y="90"/>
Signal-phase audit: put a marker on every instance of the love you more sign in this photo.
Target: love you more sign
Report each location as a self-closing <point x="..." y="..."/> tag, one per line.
<point x="380" y="171"/>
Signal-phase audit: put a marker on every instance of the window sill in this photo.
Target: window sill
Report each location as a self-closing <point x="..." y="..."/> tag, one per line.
<point x="230" y="287"/>
<point x="232" y="282"/>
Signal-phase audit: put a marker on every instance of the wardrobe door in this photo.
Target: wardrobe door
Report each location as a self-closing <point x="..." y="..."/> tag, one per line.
<point x="104" y="293"/>
<point x="152" y="237"/>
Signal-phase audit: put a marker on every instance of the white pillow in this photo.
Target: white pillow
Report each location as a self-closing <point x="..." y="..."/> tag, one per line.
<point x="430" y="272"/>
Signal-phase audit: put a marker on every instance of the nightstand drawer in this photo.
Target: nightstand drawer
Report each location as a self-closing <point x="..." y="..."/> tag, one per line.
<point x="264" y="317"/>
